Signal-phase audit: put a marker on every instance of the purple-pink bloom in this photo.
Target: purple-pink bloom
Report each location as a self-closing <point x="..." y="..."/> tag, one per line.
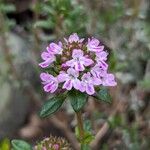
<point x="88" y="82"/>
<point x="49" y="55"/>
<point x="79" y="61"/>
<point x="56" y="146"/>
<point x="73" y="38"/>
<point x="109" y="80"/>
<point x="94" y="45"/>
<point x="98" y="71"/>
<point x="54" y="48"/>
<point x="101" y="57"/>
<point x="50" y="82"/>
<point x="48" y="59"/>
<point x="70" y="78"/>
<point x="81" y="65"/>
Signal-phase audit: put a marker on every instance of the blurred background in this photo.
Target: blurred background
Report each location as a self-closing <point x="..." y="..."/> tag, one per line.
<point x="123" y="26"/>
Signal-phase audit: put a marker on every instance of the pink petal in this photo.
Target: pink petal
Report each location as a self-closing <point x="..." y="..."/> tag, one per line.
<point x="90" y="89"/>
<point x="82" y="86"/>
<point x="109" y="80"/>
<point x="46" y="63"/>
<point x="103" y="65"/>
<point x="76" y="84"/>
<point x="54" y="88"/>
<point x="102" y="55"/>
<point x="62" y="77"/>
<point x="94" y="41"/>
<point x="88" y="62"/>
<point x="68" y="85"/>
<point x="47" y="87"/>
<point x="46" y="77"/>
<point x="79" y="66"/>
<point x="73" y="72"/>
<point x="73" y="38"/>
<point x="54" y="48"/>
<point x="70" y="63"/>
<point x="46" y="55"/>
<point x="86" y="76"/>
<point x="97" y="81"/>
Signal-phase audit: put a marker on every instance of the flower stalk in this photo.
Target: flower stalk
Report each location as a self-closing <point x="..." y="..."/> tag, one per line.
<point x="80" y="125"/>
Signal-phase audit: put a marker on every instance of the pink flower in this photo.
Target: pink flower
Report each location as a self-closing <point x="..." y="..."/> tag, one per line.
<point x="93" y="45"/>
<point x="73" y="38"/>
<point x="48" y="59"/>
<point x="109" y="80"/>
<point x="98" y="71"/>
<point x="54" y="48"/>
<point x="79" y="61"/>
<point x="56" y="146"/>
<point x="49" y="56"/>
<point x="88" y="82"/>
<point x="70" y="78"/>
<point x="50" y="82"/>
<point x="101" y="57"/>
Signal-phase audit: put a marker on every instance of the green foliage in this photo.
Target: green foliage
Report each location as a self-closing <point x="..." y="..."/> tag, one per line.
<point x="85" y="147"/>
<point x="20" y="145"/>
<point x="52" y="105"/>
<point x="103" y="95"/>
<point x="77" y="99"/>
<point x="145" y="83"/>
<point x="61" y="16"/>
<point x="5" y="144"/>
<point x="4" y="9"/>
<point x="88" y="136"/>
<point x="115" y="121"/>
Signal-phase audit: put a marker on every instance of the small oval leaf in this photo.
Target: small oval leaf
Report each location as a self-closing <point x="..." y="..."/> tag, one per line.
<point x="20" y="145"/>
<point x="51" y="106"/>
<point x="103" y="95"/>
<point x="77" y="99"/>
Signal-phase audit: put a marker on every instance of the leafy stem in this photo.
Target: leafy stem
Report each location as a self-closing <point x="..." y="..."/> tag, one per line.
<point x="80" y="125"/>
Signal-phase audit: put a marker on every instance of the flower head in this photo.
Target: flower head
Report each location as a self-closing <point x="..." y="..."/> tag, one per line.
<point x="75" y="64"/>
<point x="53" y="143"/>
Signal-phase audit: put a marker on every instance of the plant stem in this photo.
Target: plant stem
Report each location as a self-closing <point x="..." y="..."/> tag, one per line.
<point x="80" y="125"/>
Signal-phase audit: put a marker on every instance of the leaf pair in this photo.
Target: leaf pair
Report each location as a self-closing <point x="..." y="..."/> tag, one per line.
<point x="76" y="98"/>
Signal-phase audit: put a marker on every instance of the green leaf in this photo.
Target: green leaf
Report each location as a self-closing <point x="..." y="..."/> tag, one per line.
<point x="52" y="105"/>
<point x="87" y="125"/>
<point x="20" y="145"/>
<point x="103" y="95"/>
<point x="7" y="8"/>
<point x="85" y="147"/>
<point x="88" y="137"/>
<point x="77" y="99"/>
<point x="5" y="144"/>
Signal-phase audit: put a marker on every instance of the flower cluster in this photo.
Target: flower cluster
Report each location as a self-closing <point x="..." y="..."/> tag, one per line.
<point x="53" y="143"/>
<point x="76" y="64"/>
